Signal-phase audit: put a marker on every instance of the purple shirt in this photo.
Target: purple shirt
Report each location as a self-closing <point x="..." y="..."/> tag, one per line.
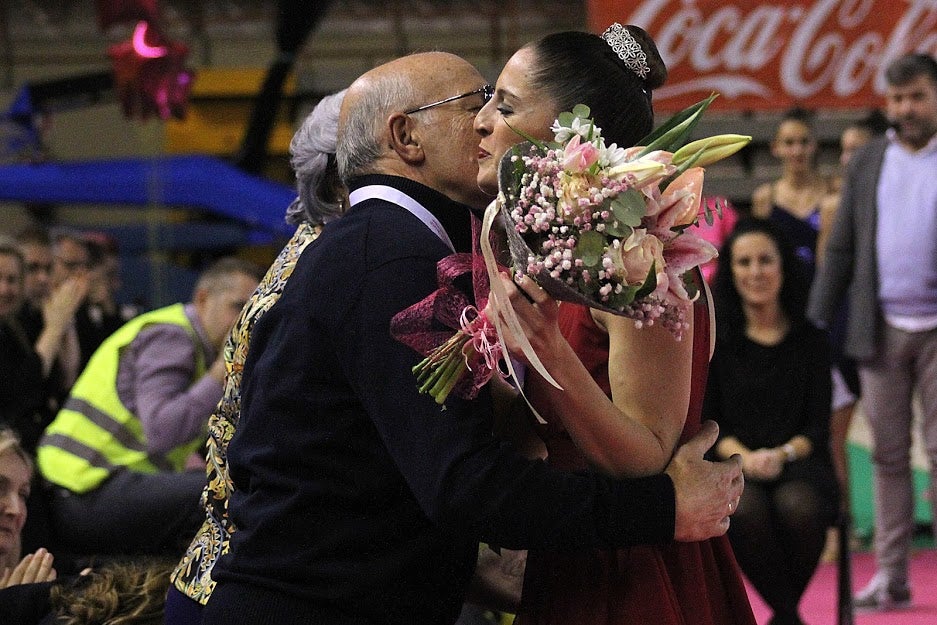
<point x="154" y="381"/>
<point x="906" y="238"/>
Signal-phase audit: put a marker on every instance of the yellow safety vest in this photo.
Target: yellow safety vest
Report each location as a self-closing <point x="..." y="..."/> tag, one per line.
<point x="94" y="434"/>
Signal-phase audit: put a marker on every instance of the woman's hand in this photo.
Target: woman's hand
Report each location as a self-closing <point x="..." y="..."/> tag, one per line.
<point x="763" y="464"/>
<point x="634" y="432"/>
<point x="218" y="368"/>
<point x="34" y="568"/>
<point x="59" y="309"/>
<point x="536" y="312"/>
<point x="57" y="313"/>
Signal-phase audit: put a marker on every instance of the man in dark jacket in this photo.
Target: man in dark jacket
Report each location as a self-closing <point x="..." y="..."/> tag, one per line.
<point x="357" y="499"/>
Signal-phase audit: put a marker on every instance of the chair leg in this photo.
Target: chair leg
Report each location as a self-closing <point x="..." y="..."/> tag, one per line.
<point x="844" y="571"/>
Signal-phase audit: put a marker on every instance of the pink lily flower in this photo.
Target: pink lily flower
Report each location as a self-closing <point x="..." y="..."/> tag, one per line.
<point x="680" y="202"/>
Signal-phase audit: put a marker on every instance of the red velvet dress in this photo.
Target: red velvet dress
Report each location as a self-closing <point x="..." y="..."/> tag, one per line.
<point x="676" y="584"/>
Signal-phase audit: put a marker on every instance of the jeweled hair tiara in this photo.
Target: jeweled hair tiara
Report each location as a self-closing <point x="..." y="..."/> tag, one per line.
<point x="627" y="48"/>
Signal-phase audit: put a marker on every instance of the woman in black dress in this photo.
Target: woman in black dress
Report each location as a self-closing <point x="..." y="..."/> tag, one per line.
<point x="769" y="390"/>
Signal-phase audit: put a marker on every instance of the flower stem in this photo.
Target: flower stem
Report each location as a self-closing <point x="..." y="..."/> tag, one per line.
<point x="451" y="373"/>
<point x="440" y="370"/>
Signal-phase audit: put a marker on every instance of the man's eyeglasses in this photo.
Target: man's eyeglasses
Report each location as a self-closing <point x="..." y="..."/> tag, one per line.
<point x="486" y="92"/>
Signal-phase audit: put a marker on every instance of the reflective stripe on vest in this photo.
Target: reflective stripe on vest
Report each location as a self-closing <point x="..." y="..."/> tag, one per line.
<point x="94" y="434"/>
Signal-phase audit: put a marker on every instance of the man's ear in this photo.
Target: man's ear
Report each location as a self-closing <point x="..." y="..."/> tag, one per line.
<point x="199" y="297"/>
<point x="405" y="138"/>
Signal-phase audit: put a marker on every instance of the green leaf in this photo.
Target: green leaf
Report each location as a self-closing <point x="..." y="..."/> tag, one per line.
<point x="590" y="247"/>
<point x="674" y="132"/>
<point x="565" y="119"/>
<point x="589" y="289"/>
<point x="629" y="207"/>
<point x="685" y="165"/>
<point x="620" y="300"/>
<point x="618" y="230"/>
<point x="692" y="289"/>
<point x="708" y="211"/>
<point x="537" y="142"/>
<point x="519" y="150"/>
<point x="581" y="111"/>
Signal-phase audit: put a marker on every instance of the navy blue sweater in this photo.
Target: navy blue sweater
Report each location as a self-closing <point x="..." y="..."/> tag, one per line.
<point x="357" y="499"/>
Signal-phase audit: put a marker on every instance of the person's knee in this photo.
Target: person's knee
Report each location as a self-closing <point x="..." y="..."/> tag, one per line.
<point x="892" y="462"/>
<point x="801" y="506"/>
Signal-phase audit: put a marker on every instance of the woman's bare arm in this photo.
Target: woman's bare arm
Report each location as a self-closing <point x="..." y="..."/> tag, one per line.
<point x="636" y="431"/>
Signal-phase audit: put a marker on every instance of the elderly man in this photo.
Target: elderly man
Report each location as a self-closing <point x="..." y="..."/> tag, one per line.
<point x="357" y="500"/>
<point x="116" y="453"/>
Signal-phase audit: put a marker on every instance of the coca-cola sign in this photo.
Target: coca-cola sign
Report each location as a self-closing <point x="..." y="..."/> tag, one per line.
<point x="772" y="55"/>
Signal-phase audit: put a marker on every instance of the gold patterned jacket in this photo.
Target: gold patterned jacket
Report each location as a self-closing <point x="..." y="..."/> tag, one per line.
<point x="192" y="576"/>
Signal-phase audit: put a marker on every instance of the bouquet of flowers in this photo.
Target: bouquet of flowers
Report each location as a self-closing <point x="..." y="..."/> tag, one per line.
<point x="606" y="226"/>
<point x="461" y="362"/>
<point x="599" y="225"/>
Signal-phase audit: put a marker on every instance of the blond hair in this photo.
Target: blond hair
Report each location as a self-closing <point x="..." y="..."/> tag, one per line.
<point x="10" y="441"/>
<point x="119" y="593"/>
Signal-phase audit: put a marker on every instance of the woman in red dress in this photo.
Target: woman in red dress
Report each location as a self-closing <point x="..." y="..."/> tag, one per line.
<point x="638" y="392"/>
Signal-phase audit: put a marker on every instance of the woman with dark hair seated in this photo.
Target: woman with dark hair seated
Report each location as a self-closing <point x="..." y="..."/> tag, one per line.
<point x="769" y="390"/>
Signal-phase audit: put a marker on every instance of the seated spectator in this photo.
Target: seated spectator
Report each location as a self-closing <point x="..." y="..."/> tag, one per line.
<point x="71" y="264"/>
<point x="16" y="472"/>
<point x="769" y="390"/>
<point x="46" y="315"/>
<point x="100" y="315"/>
<point x="116" y="454"/>
<point x="36" y="247"/>
<point x="22" y="399"/>
<point x="31" y="591"/>
<point x="25" y="404"/>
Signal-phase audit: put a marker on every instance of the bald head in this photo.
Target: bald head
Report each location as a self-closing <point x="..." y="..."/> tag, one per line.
<point x="376" y="136"/>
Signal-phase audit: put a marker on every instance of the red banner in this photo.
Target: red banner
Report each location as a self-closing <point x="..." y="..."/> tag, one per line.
<point x="774" y="55"/>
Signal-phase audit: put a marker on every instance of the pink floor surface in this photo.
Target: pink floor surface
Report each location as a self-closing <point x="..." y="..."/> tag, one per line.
<point x="818" y="606"/>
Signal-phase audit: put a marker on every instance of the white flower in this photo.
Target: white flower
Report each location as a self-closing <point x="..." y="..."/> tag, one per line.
<point x="611" y="156"/>
<point x="641" y="171"/>
<point x="582" y="127"/>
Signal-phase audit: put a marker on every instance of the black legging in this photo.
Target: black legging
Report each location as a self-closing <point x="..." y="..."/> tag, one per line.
<point x="778" y="534"/>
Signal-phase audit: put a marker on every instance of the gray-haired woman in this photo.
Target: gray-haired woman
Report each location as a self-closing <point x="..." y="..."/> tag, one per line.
<point x="320" y="199"/>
